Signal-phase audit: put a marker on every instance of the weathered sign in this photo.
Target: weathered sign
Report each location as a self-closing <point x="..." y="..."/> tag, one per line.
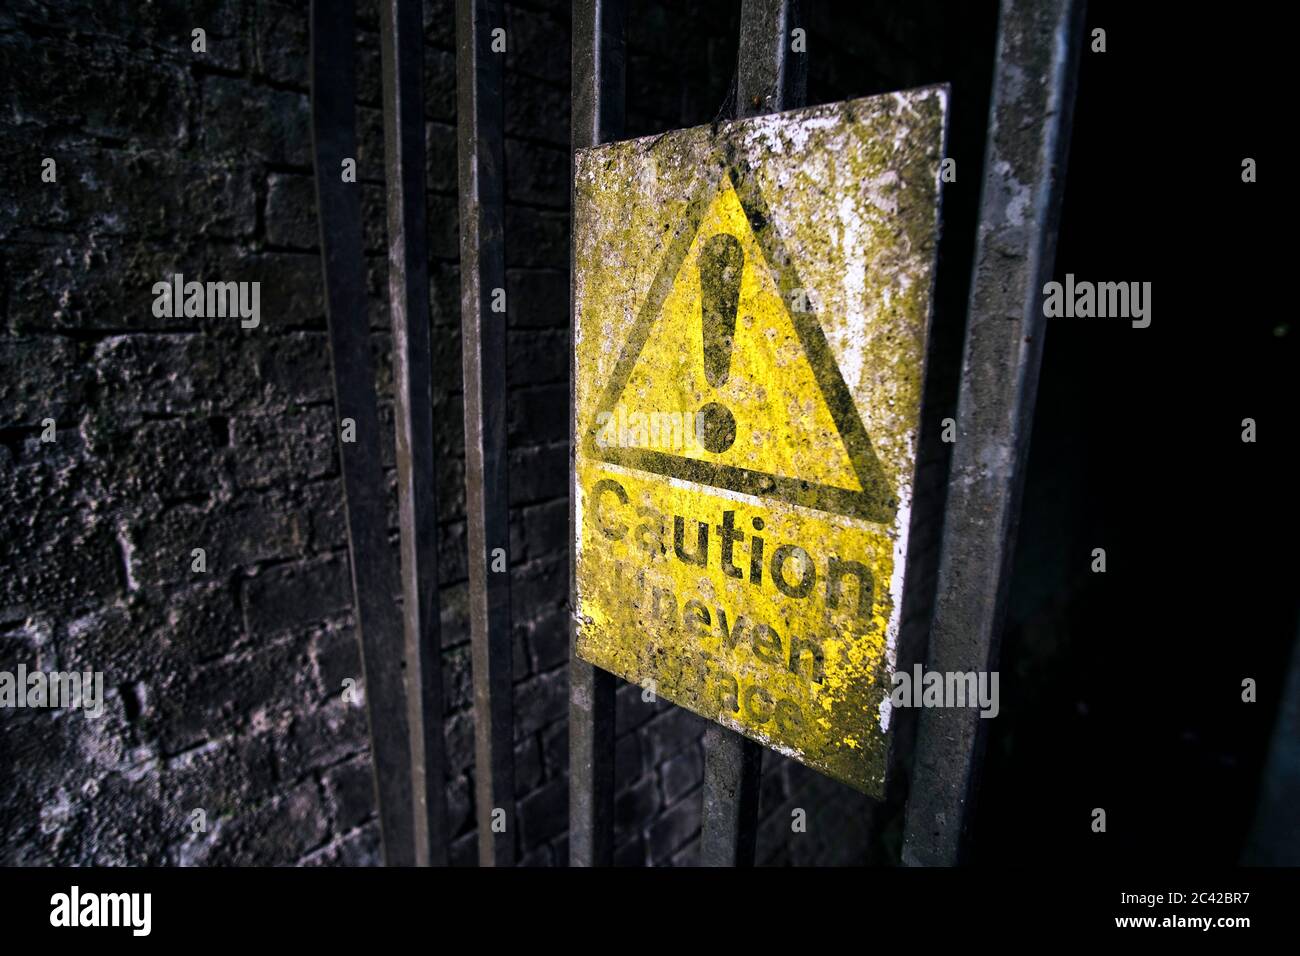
<point x="752" y="305"/>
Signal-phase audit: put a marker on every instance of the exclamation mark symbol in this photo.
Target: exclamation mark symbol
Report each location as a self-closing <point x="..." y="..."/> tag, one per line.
<point x="721" y="262"/>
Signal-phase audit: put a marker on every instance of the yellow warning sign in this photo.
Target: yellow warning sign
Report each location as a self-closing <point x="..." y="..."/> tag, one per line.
<point x="751" y="312"/>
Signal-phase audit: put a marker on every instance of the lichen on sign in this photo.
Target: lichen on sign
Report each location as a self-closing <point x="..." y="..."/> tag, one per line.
<point x="751" y="311"/>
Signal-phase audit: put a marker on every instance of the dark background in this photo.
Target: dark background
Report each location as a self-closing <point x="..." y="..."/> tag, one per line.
<point x="1128" y="685"/>
<point x="1119" y="690"/>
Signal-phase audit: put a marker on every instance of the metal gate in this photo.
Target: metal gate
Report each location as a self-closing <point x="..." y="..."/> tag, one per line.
<point x="1029" y="122"/>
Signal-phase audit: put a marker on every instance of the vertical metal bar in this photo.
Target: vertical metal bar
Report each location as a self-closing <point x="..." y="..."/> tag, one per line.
<point x="408" y="291"/>
<point x="598" y="114"/>
<point x="733" y="768"/>
<point x="379" y="632"/>
<point x="1024" y="172"/>
<point x="769" y="78"/>
<point x="480" y="126"/>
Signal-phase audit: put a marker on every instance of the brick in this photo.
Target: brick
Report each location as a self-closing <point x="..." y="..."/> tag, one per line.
<point x="537" y="238"/>
<point x="292" y="291"/>
<point x="440" y="23"/>
<point x="326" y="735"/>
<point x="440" y="85"/>
<point x="538" y="472"/>
<point x="291" y="211"/>
<point x="537" y="45"/>
<point x="548" y="640"/>
<point x="292" y="595"/>
<point x="361" y="847"/>
<point x="528" y="768"/>
<point x="544" y="814"/>
<point x="545" y="527"/>
<point x="174" y="433"/>
<point x="441" y="157"/>
<point x="539" y="415"/>
<point x="538" y="589"/>
<point x="370" y="144"/>
<point x="458" y="732"/>
<point x="192" y="450"/>
<point x="294" y="369"/>
<point x="555" y="749"/>
<point x="457" y="679"/>
<point x="39" y="378"/>
<point x="273" y="124"/>
<point x="337" y="658"/>
<point x="169" y="375"/>
<point x="630" y="711"/>
<point x="631" y="853"/>
<point x="681" y="774"/>
<point x="278" y="831"/>
<point x="538" y="299"/>
<point x="370" y="82"/>
<point x="536" y="174"/>
<point x="537" y="357"/>
<point x="674" y="827"/>
<point x="351" y="791"/>
<point x="97" y="89"/>
<point x="188" y="627"/>
<point x="635" y="807"/>
<point x="627" y="761"/>
<point x="158" y="546"/>
<point x="269" y="449"/>
<point x="669" y="733"/>
<point x="540" y="701"/>
<point x="464" y="850"/>
<point x="460" y="805"/>
<point x="526" y="100"/>
<point x="210" y="702"/>
<point x="537" y="856"/>
<point x="57" y="554"/>
<point x="136" y="193"/>
<point x="443" y="227"/>
<point x="689" y="855"/>
<point x="220" y="777"/>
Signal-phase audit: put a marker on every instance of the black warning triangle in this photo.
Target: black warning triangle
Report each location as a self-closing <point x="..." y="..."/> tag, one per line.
<point x="875" y="501"/>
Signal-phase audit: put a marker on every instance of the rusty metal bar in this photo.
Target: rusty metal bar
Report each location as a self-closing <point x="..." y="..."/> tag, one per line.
<point x="480" y="126"/>
<point x="402" y="38"/>
<point x="769" y="78"/>
<point x="598" y="115"/>
<point x="1024" y="172"/>
<point x="379" y="632"/>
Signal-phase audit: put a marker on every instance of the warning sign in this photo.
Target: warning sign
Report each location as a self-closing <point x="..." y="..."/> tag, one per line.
<point x="751" y="312"/>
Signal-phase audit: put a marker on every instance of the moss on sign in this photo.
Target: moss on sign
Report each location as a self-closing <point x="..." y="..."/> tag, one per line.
<point x="752" y="306"/>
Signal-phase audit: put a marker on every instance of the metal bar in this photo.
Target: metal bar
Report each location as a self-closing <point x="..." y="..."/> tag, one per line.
<point x="768" y="79"/>
<point x="379" y="632"/>
<point x="733" y="768"/>
<point x="480" y="125"/>
<point x="769" y="76"/>
<point x="598" y="114"/>
<point x="402" y="38"/>
<point x="1024" y="172"/>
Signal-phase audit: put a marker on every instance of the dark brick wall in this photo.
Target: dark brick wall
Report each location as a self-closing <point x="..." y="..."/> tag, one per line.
<point x="173" y="434"/>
